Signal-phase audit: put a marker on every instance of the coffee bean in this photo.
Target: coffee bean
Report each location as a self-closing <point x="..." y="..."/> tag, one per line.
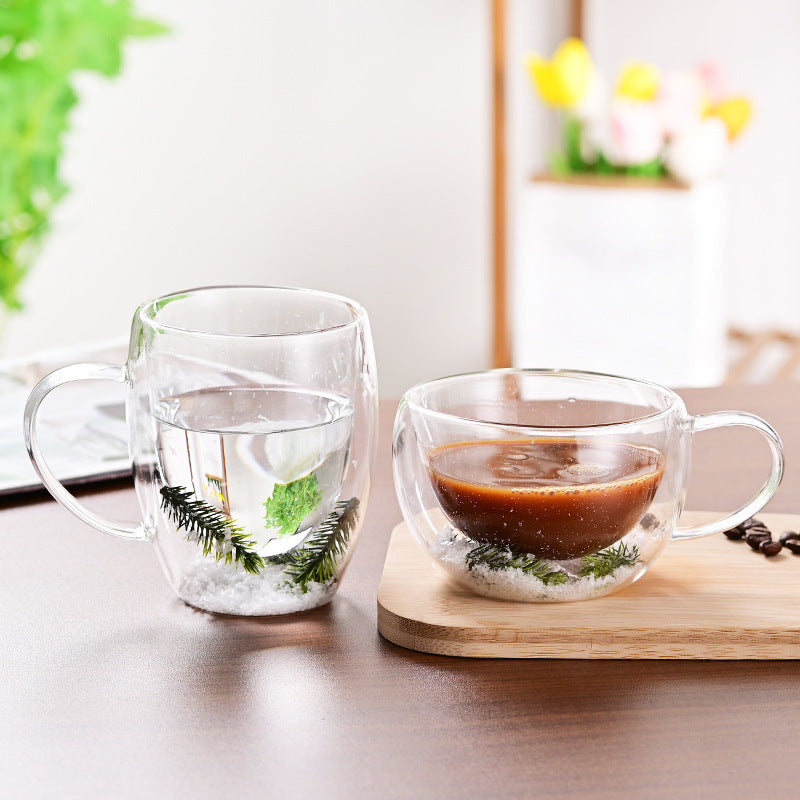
<point x="755" y="536"/>
<point x="760" y="528"/>
<point x="756" y="541"/>
<point x="735" y="533"/>
<point x="648" y="521"/>
<point x="769" y="548"/>
<point x="759" y="537"/>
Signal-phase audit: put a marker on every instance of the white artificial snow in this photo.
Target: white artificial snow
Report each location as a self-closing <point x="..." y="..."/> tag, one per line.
<point x="228" y="589"/>
<point x="450" y="549"/>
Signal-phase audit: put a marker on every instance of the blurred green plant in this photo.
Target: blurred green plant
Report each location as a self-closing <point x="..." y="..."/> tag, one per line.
<point x="43" y="45"/>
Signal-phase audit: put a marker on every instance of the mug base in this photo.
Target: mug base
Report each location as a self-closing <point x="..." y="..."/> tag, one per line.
<point x="225" y="589"/>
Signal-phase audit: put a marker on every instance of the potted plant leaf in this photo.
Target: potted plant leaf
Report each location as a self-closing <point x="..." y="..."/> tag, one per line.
<point x="44" y="44"/>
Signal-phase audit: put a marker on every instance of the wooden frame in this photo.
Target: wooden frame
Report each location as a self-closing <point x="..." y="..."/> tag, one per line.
<point x="501" y="337"/>
<point x="501" y="344"/>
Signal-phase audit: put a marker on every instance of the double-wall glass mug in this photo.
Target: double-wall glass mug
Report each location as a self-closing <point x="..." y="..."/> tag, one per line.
<point x="547" y="485"/>
<point x="252" y="420"/>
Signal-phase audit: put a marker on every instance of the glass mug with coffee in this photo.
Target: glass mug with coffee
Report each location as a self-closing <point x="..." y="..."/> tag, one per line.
<point x="548" y="485"/>
<point x="252" y="418"/>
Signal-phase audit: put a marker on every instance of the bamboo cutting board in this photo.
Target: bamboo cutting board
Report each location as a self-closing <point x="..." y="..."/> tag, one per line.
<point x="707" y="598"/>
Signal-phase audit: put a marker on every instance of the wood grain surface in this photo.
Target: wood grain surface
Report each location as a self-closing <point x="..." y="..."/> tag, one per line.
<point x="110" y="687"/>
<point x="709" y="598"/>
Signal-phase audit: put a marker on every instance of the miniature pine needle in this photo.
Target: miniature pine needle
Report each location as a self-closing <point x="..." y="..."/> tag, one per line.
<point x="606" y="562"/>
<point x="213" y="530"/>
<point x="317" y="560"/>
<point x="502" y="557"/>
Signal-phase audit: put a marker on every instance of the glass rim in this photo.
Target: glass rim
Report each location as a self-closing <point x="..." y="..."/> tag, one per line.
<point x="147" y="312"/>
<point x="672" y="399"/>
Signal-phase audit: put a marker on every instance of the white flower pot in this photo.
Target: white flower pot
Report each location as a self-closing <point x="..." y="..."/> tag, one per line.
<point x="621" y="276"/>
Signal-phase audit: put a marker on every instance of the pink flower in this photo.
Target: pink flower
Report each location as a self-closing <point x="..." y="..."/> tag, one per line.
<point x="713" y="80"/>
<point x="681" y="100"/>
<point x="630" y="135"/>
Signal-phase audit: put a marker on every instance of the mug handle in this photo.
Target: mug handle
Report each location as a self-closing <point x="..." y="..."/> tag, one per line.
<point x="722" y="419"/>
<point x="75" y="372"/>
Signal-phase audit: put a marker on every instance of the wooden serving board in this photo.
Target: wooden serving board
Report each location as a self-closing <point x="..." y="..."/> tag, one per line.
<point x="708" y="598"/>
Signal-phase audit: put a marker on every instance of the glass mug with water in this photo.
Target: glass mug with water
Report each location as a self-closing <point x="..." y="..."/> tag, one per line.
<point x="252" y="418"/>
<point x="547" y="485"/>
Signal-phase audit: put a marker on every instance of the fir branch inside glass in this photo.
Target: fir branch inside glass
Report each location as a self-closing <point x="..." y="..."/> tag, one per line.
<point x="213" y="530"/>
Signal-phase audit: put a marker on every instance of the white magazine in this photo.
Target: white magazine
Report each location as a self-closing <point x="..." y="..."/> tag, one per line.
<point x="81" y="426"/>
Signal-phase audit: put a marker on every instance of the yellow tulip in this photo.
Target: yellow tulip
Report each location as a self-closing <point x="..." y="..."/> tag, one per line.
<point x="735" y="113"/>
<point x="638" y="82"/>
<point x="565" y="80"/>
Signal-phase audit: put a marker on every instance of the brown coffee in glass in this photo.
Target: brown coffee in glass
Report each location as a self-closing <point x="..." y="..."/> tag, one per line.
<point x="552" y="485"/>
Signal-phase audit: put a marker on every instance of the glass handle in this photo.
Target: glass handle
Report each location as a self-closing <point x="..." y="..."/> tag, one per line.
<point x="75" y="372"/>
<point x="722" y="419"/>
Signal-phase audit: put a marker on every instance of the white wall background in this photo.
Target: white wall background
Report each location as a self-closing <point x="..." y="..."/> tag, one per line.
<point x="346" y="145"/>
<point x="341" y="145"/>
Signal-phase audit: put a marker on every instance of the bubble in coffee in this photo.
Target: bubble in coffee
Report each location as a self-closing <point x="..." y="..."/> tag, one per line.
<point x="554" y="498"/>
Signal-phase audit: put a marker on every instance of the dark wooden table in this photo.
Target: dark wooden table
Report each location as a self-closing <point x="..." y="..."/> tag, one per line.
<point x="113" y="688"/>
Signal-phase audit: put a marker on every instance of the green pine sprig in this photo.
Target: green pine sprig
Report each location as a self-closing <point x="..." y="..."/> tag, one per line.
<point x="213" y="530"/>
<point x="502" y="557"/>
<point x="606" y="562"/>
<point x="318" y="558"/>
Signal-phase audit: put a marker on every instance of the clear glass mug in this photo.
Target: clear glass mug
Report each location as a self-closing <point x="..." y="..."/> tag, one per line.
<point x="252" y="416"/>
<point x="547" y="485"/>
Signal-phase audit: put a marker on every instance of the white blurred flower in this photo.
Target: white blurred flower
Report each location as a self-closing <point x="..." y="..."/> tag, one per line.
<point x="681" y="100"/>
<point x="592" y="135"/>
<point x="594" y="102"/>
<point x="698" y="153"/>
<point x="631" y="134"/>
